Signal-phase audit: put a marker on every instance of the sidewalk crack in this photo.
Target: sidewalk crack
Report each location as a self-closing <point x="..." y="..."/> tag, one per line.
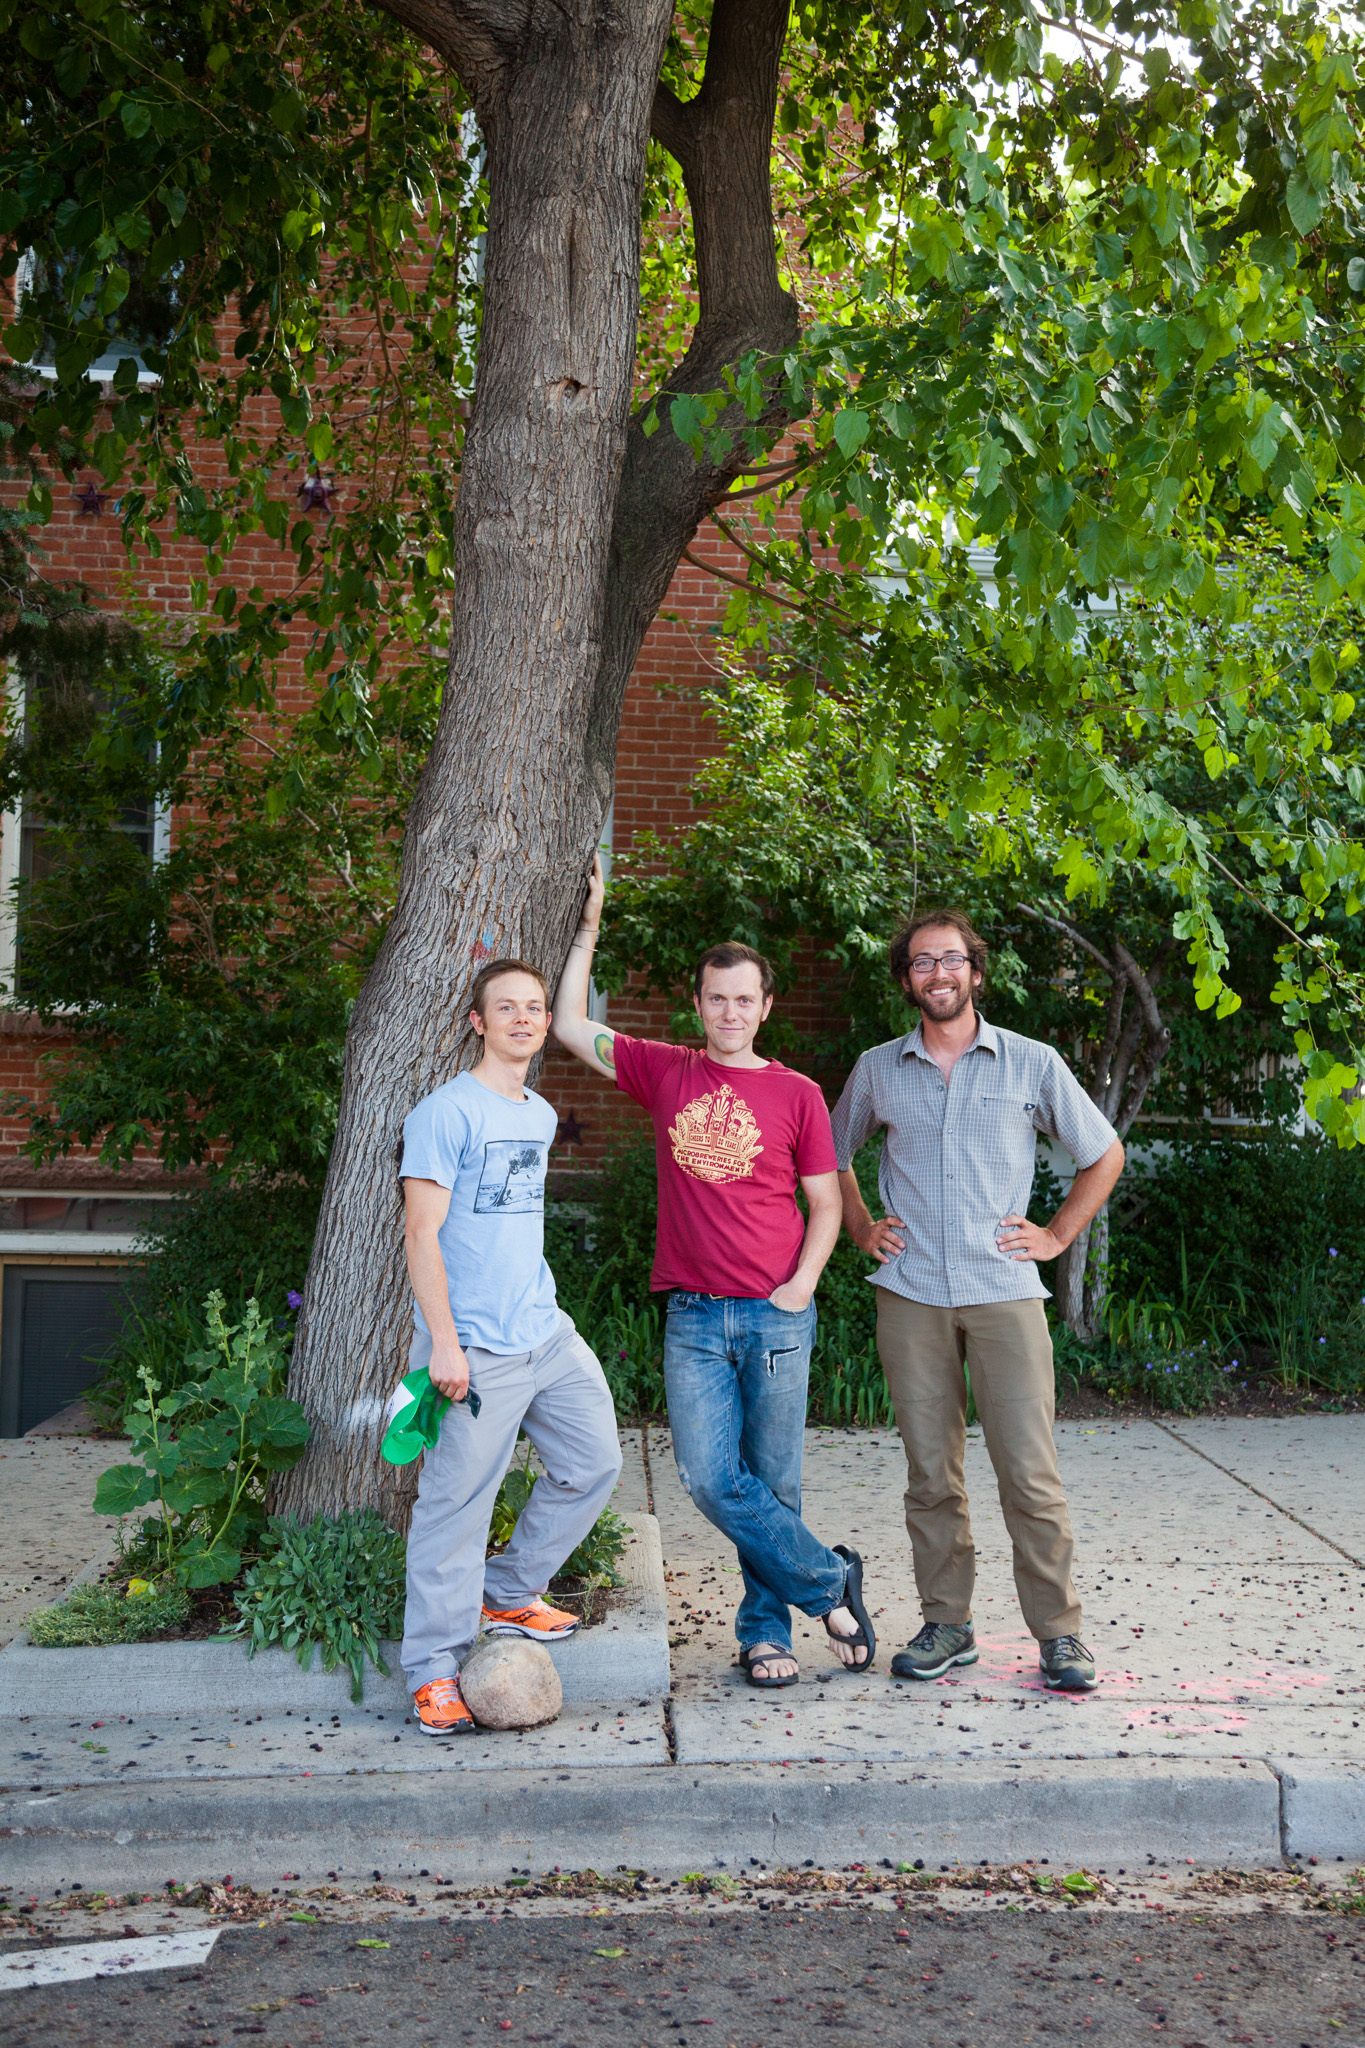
<point x="1269" y="1499"/>
<point x="1279" y="1776"/>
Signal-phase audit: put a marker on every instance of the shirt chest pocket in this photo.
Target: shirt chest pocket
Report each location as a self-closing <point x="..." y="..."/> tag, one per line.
<point x="1010" y="1109"/>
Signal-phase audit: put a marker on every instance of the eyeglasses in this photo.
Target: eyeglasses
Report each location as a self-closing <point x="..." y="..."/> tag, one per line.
<point x="922" y="962"/>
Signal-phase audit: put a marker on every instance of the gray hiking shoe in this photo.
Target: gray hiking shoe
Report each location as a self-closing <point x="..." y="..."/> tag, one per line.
<point x="938" y="1646"/>
<point x="1066" y="1664"/>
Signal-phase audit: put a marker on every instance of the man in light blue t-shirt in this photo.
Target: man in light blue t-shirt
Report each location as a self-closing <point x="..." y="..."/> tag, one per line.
<point x="493" y="1337"/>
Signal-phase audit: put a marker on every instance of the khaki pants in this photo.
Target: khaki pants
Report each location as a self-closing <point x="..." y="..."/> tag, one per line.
<point x="1009" y="1352"/>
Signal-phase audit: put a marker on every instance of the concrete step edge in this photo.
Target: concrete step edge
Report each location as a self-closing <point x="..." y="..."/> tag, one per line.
<point x="479" y="1828"/>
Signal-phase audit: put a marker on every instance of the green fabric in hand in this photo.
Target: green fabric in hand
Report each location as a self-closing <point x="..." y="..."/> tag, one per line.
<point x="414" y="1418"/>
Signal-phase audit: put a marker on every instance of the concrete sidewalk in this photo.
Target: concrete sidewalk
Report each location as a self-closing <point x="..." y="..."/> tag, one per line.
<point x="1222" y="1565"/>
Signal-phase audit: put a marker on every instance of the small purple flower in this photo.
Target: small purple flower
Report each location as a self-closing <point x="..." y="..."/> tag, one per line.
<point x="1331" y="1251"/>
<point x="294" y="1298"/>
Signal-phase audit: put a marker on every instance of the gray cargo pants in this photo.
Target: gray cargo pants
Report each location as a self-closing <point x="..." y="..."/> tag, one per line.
<point x="559" y="1396"/>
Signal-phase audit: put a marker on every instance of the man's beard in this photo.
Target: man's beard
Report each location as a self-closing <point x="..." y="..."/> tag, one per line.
<point x="930" y="1007"/>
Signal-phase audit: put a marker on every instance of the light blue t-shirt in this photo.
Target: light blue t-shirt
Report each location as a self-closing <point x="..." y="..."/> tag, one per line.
<point x="491" y="1154"/>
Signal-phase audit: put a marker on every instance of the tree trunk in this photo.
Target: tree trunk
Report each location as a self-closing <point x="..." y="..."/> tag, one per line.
<point x="514" y="795"/>
<point x="1095" y="1284"/>
<point x="569" y="524"/>
<point x="1068" y="1286"/>
<point x="1126" y="1061"/>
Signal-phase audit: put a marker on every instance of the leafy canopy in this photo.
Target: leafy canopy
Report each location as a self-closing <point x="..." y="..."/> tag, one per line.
<point x="1082" y="295"/>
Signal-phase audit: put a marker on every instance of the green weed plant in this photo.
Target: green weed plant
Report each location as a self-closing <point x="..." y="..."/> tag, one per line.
<point x="597" y="1557"/>
<point x="110" y="1613"/>
<point x="334" y="1585"/>
<point x="207" y="1449"/>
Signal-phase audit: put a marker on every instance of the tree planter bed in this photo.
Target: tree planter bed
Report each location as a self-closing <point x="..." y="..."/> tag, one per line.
<point x="623" y="1657"/>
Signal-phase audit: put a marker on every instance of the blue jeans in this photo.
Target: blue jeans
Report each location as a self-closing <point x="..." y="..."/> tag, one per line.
<point x="736" y="1372"/>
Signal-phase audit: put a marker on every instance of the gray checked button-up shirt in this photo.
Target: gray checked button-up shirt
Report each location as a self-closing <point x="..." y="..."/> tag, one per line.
<point x="959" y="1156"/>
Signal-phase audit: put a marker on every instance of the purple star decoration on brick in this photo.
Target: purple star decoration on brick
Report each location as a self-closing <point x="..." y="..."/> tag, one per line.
<point x="570" y="1131"/>
<point x="91" y="499"/>
<point x="316" y="493"/>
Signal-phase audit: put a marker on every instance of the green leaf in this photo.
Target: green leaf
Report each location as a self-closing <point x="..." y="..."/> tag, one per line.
<point x="122" y="1489"/>
<point x="687" y="415"/>
<point x="217" y="1566"/>
<point x="851" y="429"/>
<point x="41" y="35"/>
<point x="1304" y="201"/>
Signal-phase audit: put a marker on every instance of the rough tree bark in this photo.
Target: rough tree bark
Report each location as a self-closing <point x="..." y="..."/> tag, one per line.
<point x="569" y="525"/>
<point x="1118" y="1073"/>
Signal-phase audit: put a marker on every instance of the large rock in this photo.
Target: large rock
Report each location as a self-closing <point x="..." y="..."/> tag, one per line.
<point x="510" y="1683"/>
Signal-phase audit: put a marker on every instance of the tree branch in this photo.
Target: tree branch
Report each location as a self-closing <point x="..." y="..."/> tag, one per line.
<point x="782" y="471"/>
<point x="672" y="123"/>
<point x="1103" y="1064"/>
<point x="1067" y="930"/>
<point x="723" y="138"/>
<point x="477" y="38"/>
<point x="1144" y="988"/>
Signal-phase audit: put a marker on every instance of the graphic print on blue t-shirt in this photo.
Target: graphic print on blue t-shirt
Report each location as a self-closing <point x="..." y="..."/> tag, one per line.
<point x="512" y="1178"/>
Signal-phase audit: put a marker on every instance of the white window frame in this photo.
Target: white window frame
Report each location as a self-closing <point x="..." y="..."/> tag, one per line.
<point x="101" y="371"/>
<point x="11" y="829"/>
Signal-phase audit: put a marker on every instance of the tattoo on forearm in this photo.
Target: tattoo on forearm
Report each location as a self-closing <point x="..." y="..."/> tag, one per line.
<point x="604" y="1047"/>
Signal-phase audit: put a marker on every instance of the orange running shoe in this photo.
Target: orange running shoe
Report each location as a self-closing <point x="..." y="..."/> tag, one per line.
<point x="538" y="1620"/>
<point x="439" y="1709"/>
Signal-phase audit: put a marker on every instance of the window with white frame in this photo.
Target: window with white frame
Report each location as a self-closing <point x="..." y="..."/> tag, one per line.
<point x="58" y="877"/>
<point x="145" y="321"/>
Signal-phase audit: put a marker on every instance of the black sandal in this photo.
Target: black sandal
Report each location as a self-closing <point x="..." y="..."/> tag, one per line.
<point x="864" y="1636"/>
<point x="753" y="1655"/>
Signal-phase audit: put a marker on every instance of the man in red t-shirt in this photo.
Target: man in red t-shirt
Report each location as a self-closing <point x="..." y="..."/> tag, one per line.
<point x="734" y="1135"/>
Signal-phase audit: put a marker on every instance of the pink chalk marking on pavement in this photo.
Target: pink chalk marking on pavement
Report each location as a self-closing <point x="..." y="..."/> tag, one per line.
<point x="1006" y="1660"/>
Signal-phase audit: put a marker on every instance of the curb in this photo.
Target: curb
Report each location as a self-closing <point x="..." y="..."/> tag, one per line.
<point x="624" y="1656"/>
<point x="477" y="1829"/>
<point x="1324" y="1811"/>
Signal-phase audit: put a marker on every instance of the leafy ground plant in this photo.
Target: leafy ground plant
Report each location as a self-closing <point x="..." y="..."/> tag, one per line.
<point x="594" y="1562"/>
<point x="207" y="1449"/>
<point x="110" y="1613"/>
<point x="331" y="1584"/>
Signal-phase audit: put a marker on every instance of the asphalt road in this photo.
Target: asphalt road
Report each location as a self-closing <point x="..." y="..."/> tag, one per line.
<point x="740" y="1979"/>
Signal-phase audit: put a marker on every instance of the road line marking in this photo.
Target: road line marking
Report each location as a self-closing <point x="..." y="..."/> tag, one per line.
<point x="69" y="1961"/>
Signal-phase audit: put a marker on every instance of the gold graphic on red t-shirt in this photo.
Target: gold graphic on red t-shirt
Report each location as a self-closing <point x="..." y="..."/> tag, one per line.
<point x="716" y="1138"/>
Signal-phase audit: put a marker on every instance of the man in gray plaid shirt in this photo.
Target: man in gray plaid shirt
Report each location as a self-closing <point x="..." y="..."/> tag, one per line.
<point x="962" y="1104"/>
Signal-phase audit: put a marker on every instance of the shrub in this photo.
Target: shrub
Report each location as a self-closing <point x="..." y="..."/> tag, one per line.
<point x="207" y="1449"/>
<point x="336" y="1584"/>
<point x="596" y="1559"/>
<point x="248" y="1240"/>
<point x="109" y="1613"/>
<point x="331" y="1584"/>
<point x="1241" y="1210"/>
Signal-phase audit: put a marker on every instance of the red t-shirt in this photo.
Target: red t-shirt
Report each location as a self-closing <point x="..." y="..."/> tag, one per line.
<point x="731" y="1143"/>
